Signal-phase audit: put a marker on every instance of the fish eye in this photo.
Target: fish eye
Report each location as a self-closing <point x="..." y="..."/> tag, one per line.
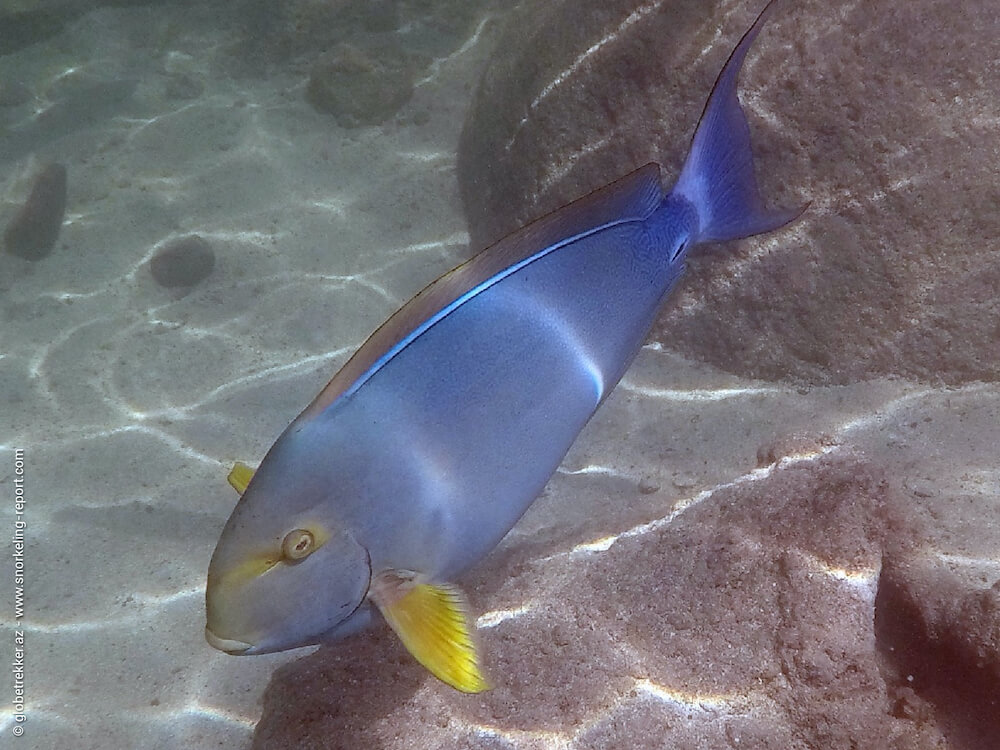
<point x="297" y="544"/>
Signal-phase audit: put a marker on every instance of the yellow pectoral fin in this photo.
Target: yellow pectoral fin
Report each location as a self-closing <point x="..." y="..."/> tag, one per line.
<point x="239" y="477"/>
<point x="432" y="621"/>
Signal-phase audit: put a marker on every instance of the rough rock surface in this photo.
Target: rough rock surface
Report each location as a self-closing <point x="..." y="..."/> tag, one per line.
<point x="872" y="111"/>
<point x="715" y="630"/>
<point x="940" y="637"/>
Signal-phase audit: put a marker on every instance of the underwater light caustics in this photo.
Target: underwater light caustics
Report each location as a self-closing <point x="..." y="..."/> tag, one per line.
<point x="431" y="442"/>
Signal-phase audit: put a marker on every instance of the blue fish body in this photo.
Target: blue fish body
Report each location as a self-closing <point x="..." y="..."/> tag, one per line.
<point x="433" y="440"/>
<point x="464" y="424"/>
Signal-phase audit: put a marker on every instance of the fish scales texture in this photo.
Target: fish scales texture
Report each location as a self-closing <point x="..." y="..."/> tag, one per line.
<point x="433" y="440"/>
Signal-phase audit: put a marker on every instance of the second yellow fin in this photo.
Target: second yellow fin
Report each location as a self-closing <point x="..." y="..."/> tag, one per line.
<point x="239" y="477"/>
<point x="432" y="621"/>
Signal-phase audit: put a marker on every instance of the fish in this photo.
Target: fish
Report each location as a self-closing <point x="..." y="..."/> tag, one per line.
<point x="435" y="437"/>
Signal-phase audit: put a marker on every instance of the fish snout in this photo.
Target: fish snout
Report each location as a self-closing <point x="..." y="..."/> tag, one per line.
<point x="259" y="599"/>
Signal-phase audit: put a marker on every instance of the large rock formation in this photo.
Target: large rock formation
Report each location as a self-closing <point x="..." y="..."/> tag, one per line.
<point x="882" y="115"/>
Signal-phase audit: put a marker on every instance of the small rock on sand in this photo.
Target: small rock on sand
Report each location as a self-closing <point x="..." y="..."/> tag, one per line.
<point x="183" y="261"/>
<point x="33" y="231"/>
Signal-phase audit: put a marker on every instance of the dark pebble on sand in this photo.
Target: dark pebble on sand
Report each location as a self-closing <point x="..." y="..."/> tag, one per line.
<point x="33" y="231"/>
<point x="183" y="261"/>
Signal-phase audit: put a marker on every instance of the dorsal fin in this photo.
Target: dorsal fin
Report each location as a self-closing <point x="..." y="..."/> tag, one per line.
<point x="632" y="197"/>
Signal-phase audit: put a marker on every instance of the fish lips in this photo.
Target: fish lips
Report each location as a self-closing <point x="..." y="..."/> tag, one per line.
<point x="355" y="622"/>
<point x="230" y="646"/>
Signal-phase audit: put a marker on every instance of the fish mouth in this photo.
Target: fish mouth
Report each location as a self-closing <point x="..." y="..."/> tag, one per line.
<point x="230" y="646"/>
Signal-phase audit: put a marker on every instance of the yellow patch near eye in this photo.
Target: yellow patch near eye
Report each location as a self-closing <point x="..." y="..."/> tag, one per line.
<point x="252" y="567"/>
<point x="295" y="545"/>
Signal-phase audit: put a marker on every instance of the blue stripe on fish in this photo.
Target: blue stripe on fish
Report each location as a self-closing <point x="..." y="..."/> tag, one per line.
<point x="633" y="197"/>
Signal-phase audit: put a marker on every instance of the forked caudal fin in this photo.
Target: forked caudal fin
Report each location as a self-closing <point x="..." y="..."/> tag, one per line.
<point x="718" y="177"/>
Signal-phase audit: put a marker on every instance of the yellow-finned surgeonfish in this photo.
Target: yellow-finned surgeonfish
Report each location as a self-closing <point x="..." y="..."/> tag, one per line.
<point x="431" y="442"/>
